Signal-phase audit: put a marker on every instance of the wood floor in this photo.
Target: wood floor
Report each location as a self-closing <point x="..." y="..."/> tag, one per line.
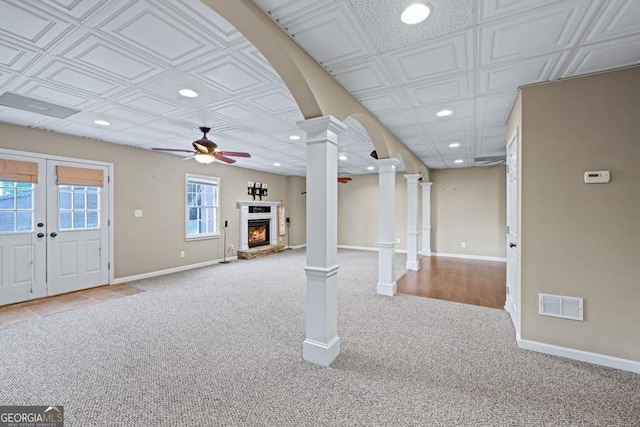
<point x="456" y="279"/>
<point x="23" y="311"/>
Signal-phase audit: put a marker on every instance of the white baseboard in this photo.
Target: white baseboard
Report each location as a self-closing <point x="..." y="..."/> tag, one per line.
<point x="583" y="356"/>
<point x="304" y="245"/>
<point x="368" y="248"/>
<point x="168" y="271"/>
<point x="478" y="257"/>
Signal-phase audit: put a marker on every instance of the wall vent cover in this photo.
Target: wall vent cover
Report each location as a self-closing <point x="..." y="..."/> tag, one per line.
<point x="559" y="306"/>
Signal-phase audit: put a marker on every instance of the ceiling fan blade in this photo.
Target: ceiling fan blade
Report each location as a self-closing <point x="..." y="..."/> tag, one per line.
<point x="235" y="153"/>
<point x="189" y="157"/>
<point x="343" y="179"/>
<point x="225" y="159"/>
<point x="172" y="149"/>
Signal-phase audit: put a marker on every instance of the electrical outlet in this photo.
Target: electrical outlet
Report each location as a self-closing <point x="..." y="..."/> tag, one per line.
<point x="181" y="254"/>
<point x="463" y="244"/>
<point x="230" y="249"/>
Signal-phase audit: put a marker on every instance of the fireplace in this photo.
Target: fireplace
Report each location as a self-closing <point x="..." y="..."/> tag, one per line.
<point x="258" y="232"/>
<point x="261" y="215"/>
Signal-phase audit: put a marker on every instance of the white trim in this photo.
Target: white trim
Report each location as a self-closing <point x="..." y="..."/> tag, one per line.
<point x="583" y="356"/>
<point x="368" y="248"/>
<point x="478" y="257"/>
<point x="304" y="245"/>
<point x="168" y="271"/>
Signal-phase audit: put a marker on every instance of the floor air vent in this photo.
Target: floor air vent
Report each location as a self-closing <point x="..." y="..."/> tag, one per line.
<point x="559" y="306"/>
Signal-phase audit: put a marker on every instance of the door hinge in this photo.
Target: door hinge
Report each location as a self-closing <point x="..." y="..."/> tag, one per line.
<point x="109" y="266"/>
<point x="507" y="289"/>
<point x="109" y="179"/>
<point x="108" y="223"/>
<point x="507" y="229"/>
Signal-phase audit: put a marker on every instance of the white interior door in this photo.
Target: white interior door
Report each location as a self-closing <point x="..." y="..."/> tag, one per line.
<point x="77" y="240"/>
<point x="22" y="236"/>
<point x="512" y="304"/>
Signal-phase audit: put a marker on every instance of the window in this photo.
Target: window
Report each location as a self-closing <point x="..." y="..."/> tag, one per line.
<point x="16" y="207"/>
<point x="203" y="199"/>
<point x="79" y="207"/>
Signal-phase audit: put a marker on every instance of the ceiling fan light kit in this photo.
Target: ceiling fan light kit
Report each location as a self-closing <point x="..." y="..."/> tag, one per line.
<point x="206" y="151"/>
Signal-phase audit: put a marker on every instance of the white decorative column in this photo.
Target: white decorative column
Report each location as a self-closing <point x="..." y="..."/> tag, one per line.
<point x="322" y="344"/>
<point x="386" y="225"/>
<point x="412" y="221"/>
<point x="426" y="219"/>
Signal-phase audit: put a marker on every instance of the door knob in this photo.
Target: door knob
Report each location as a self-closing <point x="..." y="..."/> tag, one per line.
<point x="40" y="224"/>
<point x="40" y="234"/>
<point x="54" y="234"/>
<point x="512" y="245"/>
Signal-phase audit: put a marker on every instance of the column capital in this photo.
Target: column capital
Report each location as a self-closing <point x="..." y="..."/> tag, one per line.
<point x="426" y="185"/>
<point x="413" y="177"/>
<point x="388" y="165"/>
<point x="322" y="129"/>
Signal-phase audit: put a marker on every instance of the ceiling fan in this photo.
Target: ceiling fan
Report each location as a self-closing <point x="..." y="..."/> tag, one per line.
<point x="206" y="151"/>
<point x="343" y="179"/>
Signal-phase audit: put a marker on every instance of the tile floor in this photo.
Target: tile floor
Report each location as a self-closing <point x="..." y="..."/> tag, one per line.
<point x="23" y="311"/>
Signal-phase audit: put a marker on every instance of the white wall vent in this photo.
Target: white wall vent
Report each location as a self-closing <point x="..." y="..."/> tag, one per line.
<point x="559" y="306"/>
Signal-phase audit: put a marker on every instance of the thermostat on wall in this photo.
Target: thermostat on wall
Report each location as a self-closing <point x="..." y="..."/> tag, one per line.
<point x="597" y="177"/>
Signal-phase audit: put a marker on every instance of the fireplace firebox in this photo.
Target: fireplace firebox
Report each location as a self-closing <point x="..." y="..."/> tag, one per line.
<point x="258" y="232"/>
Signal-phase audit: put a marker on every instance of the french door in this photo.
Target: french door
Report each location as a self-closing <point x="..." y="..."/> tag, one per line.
<point x="512" y="304"/>
<point x="54" y="235"/>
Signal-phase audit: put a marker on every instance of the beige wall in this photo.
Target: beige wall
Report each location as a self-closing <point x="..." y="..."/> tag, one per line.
<point x="576" y="239"/>
<point x="154" y="182"/>
<point x="358" y="211"/>
<point x="296" y="209"/>
<point x="468" y="205"/>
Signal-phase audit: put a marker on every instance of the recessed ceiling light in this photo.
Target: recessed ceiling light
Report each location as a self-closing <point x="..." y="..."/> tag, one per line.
<point x="370" y="168"/>
<point x="444" y="113"/>
<point x="454" y="145"/>
<point x="343" y="157"/>
<point x="458" y="161"/>
<point x="276" y="164"/>
<point x="188" y="93"/>
<point x="415" y="14"/>
<point x="294" y="137"/>
<point x="102" y="122"/>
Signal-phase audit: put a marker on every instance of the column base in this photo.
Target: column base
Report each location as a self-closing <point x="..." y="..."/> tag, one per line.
<point x="387" y="289"/>
<point x="320" y="353"/>
<point x="413" y="265"/>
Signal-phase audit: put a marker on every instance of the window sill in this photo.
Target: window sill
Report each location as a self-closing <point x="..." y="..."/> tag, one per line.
<point x="208" y="236"/>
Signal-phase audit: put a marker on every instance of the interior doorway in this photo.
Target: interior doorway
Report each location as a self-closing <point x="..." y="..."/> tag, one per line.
<point x="512" y="304"/>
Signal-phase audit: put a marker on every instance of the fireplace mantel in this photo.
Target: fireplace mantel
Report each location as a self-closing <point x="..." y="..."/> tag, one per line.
<point x="245" y="216"/>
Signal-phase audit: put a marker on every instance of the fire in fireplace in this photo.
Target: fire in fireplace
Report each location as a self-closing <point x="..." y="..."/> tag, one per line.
<point x="258" y="232"/>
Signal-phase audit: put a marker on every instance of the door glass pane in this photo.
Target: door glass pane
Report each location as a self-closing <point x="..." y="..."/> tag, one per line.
<point x="16" y="206"/>
<point x="79" y="207"/>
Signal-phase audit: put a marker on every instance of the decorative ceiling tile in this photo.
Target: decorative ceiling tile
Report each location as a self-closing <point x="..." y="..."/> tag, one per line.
<point x="30" y="24"/>
<point x="156" y="32"/>
<point x="73" y="76"/>
<point x="148" y="103"/>
<point x="516" y="74"/>
<point x="382" y="20"/>
<point x="78" y="11"/>
<point x="229" y="73"/>
<point x="620" y="18"/>
<point x="452" y="125"/>
<point x="439" y="91"/>
<point x="330" y="35"/>
<point x="105" y="57"/>
<point x="434" y="59"/>
<point x="492" y="9"/>
<point x="383" y="101"/>
<point x="542" y="31"/>
<point x="16" y="58"/>
<point x="47" y="92"/>
<point x="274" y="100"/>
<point x="363" y="76"/>
<point x="604" y="56"/>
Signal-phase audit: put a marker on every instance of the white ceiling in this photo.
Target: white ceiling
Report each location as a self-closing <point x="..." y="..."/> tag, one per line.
<point x="124" y="61"/>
